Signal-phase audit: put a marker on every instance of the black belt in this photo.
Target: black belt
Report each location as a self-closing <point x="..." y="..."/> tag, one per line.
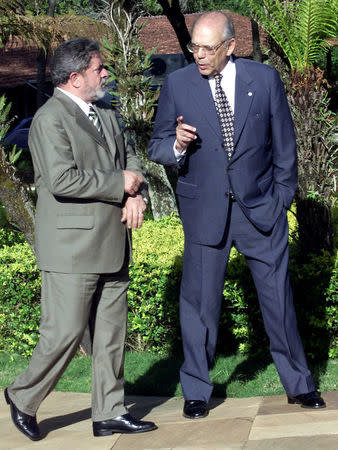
<point x="232" y="197"/>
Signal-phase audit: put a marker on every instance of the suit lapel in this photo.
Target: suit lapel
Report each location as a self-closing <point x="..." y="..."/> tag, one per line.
<point x="84" y="123"/>
<point x="201" y="92"/>
<point x="108" y="130"/>
<point x="244" y="94"/>
<point x="80" y="118"/>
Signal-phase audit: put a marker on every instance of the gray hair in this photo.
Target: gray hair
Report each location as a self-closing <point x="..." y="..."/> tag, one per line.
<point x="72" y="56"/>
<point x="228" y="30"/>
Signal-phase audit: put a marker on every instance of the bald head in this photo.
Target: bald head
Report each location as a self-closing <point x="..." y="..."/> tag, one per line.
<point x="212" y="42"/>
<point x="216" y="19"/>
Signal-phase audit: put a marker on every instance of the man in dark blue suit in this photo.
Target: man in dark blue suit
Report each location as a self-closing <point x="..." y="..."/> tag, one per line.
<point x="226" y="124"/>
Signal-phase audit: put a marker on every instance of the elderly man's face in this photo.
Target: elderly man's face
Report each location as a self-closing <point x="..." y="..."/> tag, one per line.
<point x="206" y="35"/>
<point x="93" y="80"/>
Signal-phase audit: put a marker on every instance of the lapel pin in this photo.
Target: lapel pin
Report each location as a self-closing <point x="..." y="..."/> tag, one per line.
<point x="249" y="93"/>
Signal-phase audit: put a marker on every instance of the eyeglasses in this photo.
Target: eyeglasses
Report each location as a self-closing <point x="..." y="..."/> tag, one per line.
<point x="207" y="49"/>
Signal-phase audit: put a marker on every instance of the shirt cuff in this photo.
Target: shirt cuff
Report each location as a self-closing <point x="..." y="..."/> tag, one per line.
<point x="178" y="155"/>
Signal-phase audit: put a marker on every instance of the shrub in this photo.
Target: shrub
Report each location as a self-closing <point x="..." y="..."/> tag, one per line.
<point x="152" y="297"/>
<point x="241" y="315"/>
<point x="19" y="299"/>
<point x="10" y="237"/>
<point x="154" y="288"/>
<point x="153" y="319"/>
<point x="315" y="287"/>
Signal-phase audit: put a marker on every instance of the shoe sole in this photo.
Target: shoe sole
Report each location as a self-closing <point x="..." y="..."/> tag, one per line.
<point x="297" y="402"/>
<point x="195" y="417"/>
<point x="314" y="407"/>
<point x="110" y="432"/>
<point x="8" y="401"/>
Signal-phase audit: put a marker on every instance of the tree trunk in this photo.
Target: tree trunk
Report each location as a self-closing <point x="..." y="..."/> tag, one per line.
<point x="41" y="76"/>
<point x="176" y="18"/>
<point x="315" y="230"/>
<point x="316" y="161"/>
<point x="307" y="97"/>
<point x="256" y="47"/>
<point x="42" y="62"/>
<point x="161" y="193"/>
<point x="51" y="8"/>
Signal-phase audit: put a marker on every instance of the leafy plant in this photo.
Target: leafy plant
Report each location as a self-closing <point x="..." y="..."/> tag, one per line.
<point x="13" y="194"/>
<point x="301" y="30"/>
<point x="134" y="97"/>
<point x="5" y="122"/>
<point x="19" y="299"/>
<point x="9" y="237"/>
<point x="154" y="288"/>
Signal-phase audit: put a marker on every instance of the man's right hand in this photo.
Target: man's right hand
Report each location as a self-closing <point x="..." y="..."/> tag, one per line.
<point x="184" y="134"/>
<point x="132" y="182"/>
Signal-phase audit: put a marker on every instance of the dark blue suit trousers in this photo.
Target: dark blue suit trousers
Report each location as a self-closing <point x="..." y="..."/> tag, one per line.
<point x="204" y="270"/>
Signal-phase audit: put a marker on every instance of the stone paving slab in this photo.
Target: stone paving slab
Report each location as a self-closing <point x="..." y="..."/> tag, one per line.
<point x="277" y="404"/>
<point x="320" y="442"/>
<point x="302" y="423"/>
<point x="261" y="423"/>
<point x="193" y="434"/>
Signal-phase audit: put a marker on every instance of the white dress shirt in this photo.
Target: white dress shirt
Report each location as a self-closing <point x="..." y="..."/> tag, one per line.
<point x="228" y="85"/>
<point x="81" y="103"/>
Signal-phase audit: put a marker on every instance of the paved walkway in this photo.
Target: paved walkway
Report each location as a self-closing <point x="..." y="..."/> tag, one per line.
<point x="264" y="423"/>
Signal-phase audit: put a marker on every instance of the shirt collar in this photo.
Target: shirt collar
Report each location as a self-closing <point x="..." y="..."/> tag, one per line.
<point x="81" y="103"/>
<point x="229" y="67"/>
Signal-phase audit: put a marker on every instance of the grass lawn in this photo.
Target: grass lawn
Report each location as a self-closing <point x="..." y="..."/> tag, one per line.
<point x="147" y="374"/>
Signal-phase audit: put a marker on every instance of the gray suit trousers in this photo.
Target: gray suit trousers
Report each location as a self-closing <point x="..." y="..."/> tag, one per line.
<point x="66" y="306"/>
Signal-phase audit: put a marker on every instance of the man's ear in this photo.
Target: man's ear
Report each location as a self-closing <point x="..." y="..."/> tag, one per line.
<point x="231" y="46"/>
<point x="75" y="79"/>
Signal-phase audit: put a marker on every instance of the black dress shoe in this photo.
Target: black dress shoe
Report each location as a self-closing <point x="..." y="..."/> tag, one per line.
<point x="310" y="400"/>
<point x="195" y="409"/>
<point x="23" y="422"/>
<point x="122" y="424"/>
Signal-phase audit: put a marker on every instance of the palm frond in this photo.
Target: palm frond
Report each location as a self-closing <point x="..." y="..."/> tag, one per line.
<point x="276" y="18"/>
<point x="316" y="22"/>
<point x="298" y="27"/>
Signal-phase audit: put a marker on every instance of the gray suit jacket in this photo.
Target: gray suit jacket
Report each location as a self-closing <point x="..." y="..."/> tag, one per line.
<point x="80" y="187"/>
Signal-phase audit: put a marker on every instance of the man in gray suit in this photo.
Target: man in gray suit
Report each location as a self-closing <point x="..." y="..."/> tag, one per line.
<point x="89" y="186"/>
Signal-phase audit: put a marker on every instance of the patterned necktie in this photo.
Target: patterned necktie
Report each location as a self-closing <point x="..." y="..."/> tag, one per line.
<point x="94" y="118"/>
<point x="225" y="116"/>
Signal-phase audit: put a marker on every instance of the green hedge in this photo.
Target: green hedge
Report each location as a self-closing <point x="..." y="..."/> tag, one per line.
<point x="153" y="297"/>
<point x="19" y="296"/>
<point x="154" y="287"/>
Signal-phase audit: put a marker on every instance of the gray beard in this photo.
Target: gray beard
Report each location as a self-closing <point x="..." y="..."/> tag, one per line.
<point x="100" y="93"/>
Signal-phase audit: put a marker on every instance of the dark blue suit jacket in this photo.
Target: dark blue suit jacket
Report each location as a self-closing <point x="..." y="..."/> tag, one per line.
<point x="262" y="172"/>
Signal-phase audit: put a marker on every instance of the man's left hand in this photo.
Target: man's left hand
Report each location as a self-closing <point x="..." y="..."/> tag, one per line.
<point x="132" y="212"/>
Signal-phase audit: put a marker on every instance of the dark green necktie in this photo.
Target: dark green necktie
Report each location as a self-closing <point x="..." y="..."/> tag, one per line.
<point x="94" y="118"/>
